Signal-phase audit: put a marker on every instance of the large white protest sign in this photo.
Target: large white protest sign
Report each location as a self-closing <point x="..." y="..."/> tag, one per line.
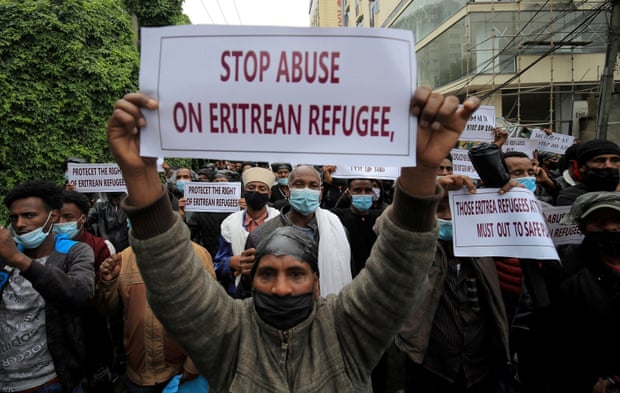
<point x="553" y="143"/>
<point x="560" y="233"/>
<point x="480" y="125"/>
<point x="271" y="93"/>
<point x="96" y="177"/>
<point x="523" y="145"/>
<point x="508" y="225"/>
<point x="461" y="164"/>
<point x="212" y="197"/>
<point x="366" y="172"/>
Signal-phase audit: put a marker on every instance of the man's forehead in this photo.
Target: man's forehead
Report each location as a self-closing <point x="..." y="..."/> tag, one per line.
<point x="28" y="203"/>
<point x="306" y="171"/>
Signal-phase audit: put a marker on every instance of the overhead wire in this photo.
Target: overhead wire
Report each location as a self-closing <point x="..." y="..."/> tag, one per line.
<point x="206" y="10"/>
<point x="221" y="11"/>
<point x="556" y="46"/>
<point x="237" y="11"/>
<point x="536" y="37"/>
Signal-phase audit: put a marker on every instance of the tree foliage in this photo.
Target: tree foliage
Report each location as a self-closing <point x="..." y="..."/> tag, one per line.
<point x="63" y="64"/>
<point x="157" y="12"/>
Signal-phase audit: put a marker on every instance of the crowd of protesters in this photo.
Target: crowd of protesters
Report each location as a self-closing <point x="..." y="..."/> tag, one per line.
<point x="316" y="284"/>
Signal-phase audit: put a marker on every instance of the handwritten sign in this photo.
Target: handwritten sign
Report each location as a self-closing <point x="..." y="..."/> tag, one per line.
<point x="276" y="92"/>
<point x="96" y="177"/>
<point x="212" y="197"/>
<point x="524" y="145"/>
<point x="553" y="143"/>
<point x="366" y="172"/>
<point x="509" y="225"/>
<point x="461" y="164"/>
<point x="480" y="125"/>
<point x="561" y="234"/>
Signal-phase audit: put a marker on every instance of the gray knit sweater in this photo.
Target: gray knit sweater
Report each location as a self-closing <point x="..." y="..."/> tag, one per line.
<point x="334" y="350"/>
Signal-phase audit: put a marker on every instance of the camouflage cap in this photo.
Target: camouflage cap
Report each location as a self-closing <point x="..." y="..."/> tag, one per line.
<point x="589" y="202"/>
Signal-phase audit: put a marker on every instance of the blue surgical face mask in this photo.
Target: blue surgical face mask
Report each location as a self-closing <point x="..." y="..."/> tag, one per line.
<point x="446" y="229"/>
<point x="180" y="185"/>
<point x="34" y="238"/>
<point x="283" y="181"/>
<point x="304" y="200"/>
<point x="70" y="228"/>
<point x="361" y="202"/>
<point x="529" y="182"/>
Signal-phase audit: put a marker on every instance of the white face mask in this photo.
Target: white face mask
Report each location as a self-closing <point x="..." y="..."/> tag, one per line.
<point x="34" y="238"/>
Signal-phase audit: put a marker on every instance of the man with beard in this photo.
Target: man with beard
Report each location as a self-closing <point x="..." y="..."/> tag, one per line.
<point x="286" y="338"/>
<point x="598" y="161"/>
<point x="236" y="227"/>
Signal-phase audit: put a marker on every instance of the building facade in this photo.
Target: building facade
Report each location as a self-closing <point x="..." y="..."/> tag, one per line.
<point x="539" y="62"/>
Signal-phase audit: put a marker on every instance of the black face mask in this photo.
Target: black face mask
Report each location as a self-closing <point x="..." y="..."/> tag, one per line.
<point x="282" y="312"/>
<point x="601" y="179"/>
<point x="256" y="200"/>
<point x="607" y="243"/>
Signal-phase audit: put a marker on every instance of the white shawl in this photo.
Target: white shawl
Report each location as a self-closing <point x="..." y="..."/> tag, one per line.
<point x="334" y="253"/>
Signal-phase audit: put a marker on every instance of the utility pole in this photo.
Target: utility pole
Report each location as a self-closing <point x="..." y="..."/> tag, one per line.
<point x="607" y="79"/>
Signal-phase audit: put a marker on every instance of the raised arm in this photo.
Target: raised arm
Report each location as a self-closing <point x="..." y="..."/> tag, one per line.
<point x="371" y="310"/>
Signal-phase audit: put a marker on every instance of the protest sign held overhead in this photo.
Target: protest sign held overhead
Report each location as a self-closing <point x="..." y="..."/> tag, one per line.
<point x="553" y="143"/>
<point x="508" y="225"/>
<point x="212" y="197"/>
<point x="96" y="177"/>
<point x="480" y="125"/>
<point x="274" y="92"/>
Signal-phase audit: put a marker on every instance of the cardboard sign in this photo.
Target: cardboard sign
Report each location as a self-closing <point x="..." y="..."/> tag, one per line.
<point x="561" y="234"/>
<point x="554" y="143"/>
<point x="96" y="177"/>
<point x="366" y="172"/>
<point x="480" y="125"/>
<point x="509" y="225"/>
<point x="272" y="93"/>
<point x="212" y="197"/>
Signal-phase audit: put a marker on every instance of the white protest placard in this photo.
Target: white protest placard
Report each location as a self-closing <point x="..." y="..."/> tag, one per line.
<point x="271" y="93"/>
<point x="553" y="143"/>
<point x="480" y="125"/>
<point x="508" y="225"/>
<point x="524" y="145"/>
<point x="212" y="197"/>
<point x="560" y="233"/>
<point x="461" y="164"/>
<point x="96" y="177"/>
<point x="366" y="172"/>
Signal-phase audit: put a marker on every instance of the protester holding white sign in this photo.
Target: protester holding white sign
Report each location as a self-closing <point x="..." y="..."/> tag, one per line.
<point x="285" y="275"/>
<point x="465" y="299"/>
<point x="226" y="91"/>
<point x="510" y="225"/>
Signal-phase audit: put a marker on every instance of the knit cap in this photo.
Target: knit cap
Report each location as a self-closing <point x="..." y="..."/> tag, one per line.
<point x="595" y="147"/>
